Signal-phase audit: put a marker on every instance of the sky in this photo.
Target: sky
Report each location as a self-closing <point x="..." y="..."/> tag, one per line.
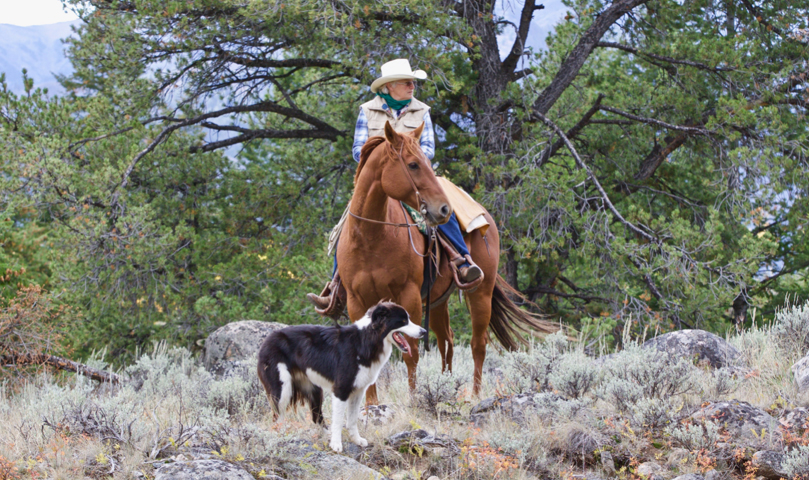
<point x="25" y="13"/>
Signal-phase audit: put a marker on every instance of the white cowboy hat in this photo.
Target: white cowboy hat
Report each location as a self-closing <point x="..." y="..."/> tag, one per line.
<point x="398" y="69"/>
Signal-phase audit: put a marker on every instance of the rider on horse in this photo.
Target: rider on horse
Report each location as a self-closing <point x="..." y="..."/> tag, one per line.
<point x="394" y="103"/>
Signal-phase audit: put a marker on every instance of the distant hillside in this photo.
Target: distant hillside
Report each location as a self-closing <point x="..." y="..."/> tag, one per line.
<point x="37" y="48"/>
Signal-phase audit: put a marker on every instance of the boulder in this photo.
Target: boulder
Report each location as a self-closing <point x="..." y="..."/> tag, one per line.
<point x="801" y="373"/>
<point x="690" y="476"/>
<point x="202" y="470"/>
<point x="768" y="464"/>
<point x="678" y="457"/>
<point x="421" y="440"/>
<point x="516" y="406"/>
<point x="648" y="469"/>
<point x="377" y="414"/>
<point x="795" y="420"/>
<point x="608" y="462"/>
<point x="705" y="347"/>
<point x="302" y="460"/>
<point x="740" y="419"/>
<point x="234" y="343"/>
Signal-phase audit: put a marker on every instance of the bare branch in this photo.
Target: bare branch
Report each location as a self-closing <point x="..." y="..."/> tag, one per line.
<point x="60" y="363"/>
<point x="518" y="48"/>
<point x="656" y="122"/>
<point x="593" y="179"/>
<point x="635" y="51"/>
<point x="581" y="52"/>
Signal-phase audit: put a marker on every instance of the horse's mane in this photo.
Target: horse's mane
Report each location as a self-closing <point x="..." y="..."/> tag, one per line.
<point x="366" y="151"/>
<point x="411" y="145"/>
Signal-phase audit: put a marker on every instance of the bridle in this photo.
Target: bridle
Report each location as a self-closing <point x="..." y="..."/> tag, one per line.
<point x="422" y="208"/>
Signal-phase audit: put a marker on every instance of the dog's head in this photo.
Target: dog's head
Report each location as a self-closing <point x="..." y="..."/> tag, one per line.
<point x="393" y="322"/>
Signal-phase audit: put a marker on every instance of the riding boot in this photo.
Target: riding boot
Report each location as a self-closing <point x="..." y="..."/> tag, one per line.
<point x="467" y="274"/>
<point x="332" y="300"/>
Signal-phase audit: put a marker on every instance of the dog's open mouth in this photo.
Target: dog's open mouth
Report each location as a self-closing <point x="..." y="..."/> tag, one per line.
<point x="400" y="342"/>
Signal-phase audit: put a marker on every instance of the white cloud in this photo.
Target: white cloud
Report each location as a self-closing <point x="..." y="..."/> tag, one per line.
<point x="33" y="12"/>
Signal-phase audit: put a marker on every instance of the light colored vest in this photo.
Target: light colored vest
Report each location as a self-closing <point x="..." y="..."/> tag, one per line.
<point x="408" y="121"/>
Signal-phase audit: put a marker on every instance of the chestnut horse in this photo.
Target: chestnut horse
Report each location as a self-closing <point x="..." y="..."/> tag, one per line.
<point x="381" y="260"/>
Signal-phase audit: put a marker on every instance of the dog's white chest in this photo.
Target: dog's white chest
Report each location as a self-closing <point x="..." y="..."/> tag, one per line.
<point x="368" y="375"/>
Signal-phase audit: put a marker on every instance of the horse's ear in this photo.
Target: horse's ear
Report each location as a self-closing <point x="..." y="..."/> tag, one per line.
<point x="390" y="134"/>
<point x="417" y="132"/>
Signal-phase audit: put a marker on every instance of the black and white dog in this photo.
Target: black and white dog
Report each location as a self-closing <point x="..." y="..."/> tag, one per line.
<point x="297" y="363"/>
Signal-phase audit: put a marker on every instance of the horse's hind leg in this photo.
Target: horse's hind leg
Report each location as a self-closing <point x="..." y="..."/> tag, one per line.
<point x="439" y="323"/>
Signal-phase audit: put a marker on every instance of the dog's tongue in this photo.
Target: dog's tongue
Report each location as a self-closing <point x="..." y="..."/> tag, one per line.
<point x="401" y="341"/>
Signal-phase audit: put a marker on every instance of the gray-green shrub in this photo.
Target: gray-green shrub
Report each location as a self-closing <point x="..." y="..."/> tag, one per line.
<point x="574" y="374"/>
<point x="791" y="328"/>
<point x="636" y="373"/>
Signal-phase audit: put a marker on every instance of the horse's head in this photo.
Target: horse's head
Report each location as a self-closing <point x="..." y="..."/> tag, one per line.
<point x="406" y="175"/>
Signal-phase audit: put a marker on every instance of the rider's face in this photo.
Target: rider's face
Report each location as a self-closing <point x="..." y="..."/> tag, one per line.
<point x="402" y="89"/>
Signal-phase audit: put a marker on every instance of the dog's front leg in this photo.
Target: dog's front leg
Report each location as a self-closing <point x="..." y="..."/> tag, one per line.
<point x="338" y="411"/>
<point x="352" y="415"/>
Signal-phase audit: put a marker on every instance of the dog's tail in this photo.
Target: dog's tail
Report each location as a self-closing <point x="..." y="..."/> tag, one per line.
<point x="283" y="390"/>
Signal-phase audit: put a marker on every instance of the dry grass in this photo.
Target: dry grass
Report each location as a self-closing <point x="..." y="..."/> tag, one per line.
<point x="173" y="410"/>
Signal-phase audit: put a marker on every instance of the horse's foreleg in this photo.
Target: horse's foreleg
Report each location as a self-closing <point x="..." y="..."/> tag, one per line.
<point x="480" y="309"/>
<point x="411" y="301"/>
<point x="439" y="323"/>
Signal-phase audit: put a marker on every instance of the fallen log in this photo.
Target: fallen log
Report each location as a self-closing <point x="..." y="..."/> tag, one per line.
<point x="61" y="364"/>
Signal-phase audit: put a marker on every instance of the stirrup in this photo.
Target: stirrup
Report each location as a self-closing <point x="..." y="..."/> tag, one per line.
<point x="336" y="294"/>
<point x="455" y="260"/>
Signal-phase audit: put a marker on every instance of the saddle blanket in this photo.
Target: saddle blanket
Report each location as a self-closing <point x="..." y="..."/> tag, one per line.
<point x="469" y="213"/>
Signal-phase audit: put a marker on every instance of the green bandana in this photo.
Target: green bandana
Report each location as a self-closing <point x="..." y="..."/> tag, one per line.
<point x="394" y="104"/>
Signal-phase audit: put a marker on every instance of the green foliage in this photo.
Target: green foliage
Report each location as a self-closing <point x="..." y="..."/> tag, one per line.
<point x="190" y="174"/>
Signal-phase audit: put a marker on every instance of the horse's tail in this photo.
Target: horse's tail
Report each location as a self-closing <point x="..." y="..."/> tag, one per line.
<point x="509" y="321"/>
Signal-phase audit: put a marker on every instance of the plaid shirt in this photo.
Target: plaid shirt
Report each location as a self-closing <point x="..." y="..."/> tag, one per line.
<point x="427" y="140"/>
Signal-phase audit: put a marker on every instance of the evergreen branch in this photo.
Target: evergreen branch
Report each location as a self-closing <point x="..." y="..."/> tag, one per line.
<point x="689" y="63"/>
<point x="657" y="156"/>
<point x="759" y="16"/>
<point x="581" y="52"/>
<point x="593" y="179"/>
<point x="551" y="150"/>
<point x="656" y="122"/>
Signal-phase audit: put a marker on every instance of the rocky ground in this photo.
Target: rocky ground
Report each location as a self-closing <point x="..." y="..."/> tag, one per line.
<point x="688" y="405"/>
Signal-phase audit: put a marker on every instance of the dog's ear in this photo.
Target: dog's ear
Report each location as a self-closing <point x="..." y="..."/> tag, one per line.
<point x="380" y="314"/>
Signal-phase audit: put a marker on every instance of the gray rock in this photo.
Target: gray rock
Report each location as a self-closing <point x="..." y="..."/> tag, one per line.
<point x="608" y="462"/>
<point x="516" y="406"/>
<point x="742" y="420"/>
<point x="703" y="346"/>
<point x="377" y="414"/>
<point x="690" y="476"/>
<point x="302" y="460"/>
<point x="768" y="464"/>
<point x="423" y="439"/>
<point x="235" y="342"/>
<point x="678" y="457"/>
<point x="712" y="475"/>
<point x="795" y="420"/>
<point x="801" y="373"/>
<point x="648" y="469"/>
<point x="202" y="470"/>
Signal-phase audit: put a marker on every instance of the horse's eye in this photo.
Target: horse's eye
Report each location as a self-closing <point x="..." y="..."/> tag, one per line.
<point x="414" y="166"/>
